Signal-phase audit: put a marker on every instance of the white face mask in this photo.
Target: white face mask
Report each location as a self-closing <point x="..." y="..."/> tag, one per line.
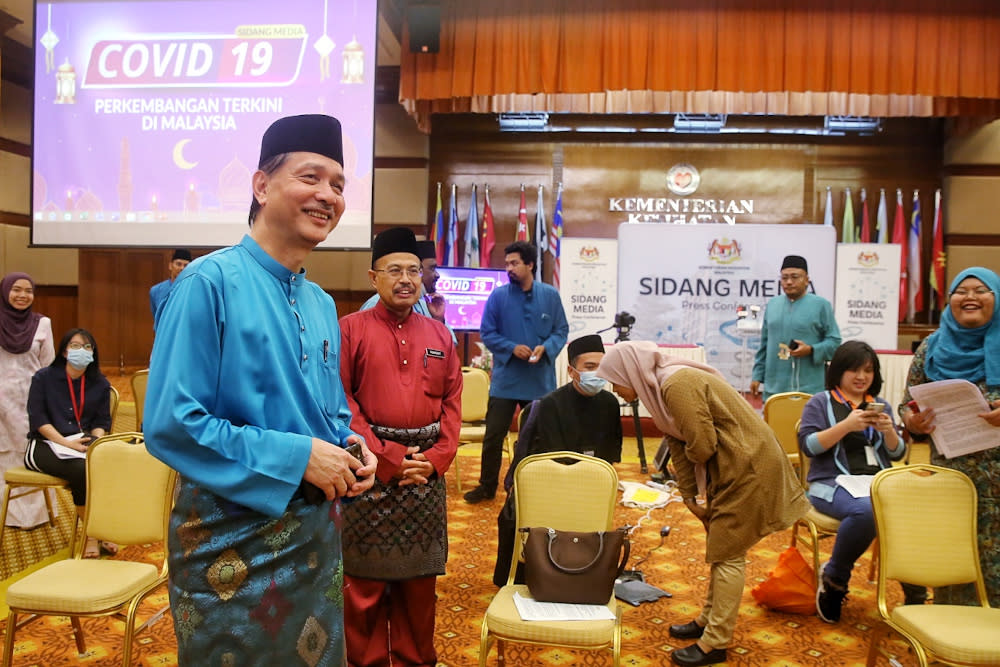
<point x="589" y="383"/>
<point x="79" y="359"/>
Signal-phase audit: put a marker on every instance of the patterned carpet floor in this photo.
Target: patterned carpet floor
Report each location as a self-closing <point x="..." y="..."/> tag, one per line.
<point x="763" y="638"/>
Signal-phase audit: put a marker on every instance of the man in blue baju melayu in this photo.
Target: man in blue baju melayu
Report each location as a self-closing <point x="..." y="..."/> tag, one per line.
<point x="245" y="402"/>
<point x="798" y="338"/>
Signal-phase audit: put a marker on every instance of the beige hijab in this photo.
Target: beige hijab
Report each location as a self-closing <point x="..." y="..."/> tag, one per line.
<point x="641" y="366"/>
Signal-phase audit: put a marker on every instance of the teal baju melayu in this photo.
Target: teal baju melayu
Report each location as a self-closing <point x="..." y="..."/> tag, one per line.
<point x="810" y="319"/>
<point x="244" y="373"/>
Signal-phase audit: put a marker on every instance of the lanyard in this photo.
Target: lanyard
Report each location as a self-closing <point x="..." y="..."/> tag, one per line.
<point x="77" y="411"/>
<point x="869" y="431"/>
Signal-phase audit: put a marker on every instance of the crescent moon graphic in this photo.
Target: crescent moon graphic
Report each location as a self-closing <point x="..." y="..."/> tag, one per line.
<point x="461" y="310"/>
<point x="179" y="155"/>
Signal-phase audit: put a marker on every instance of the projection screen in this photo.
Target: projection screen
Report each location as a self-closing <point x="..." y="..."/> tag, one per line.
<point x="148" y="114"/>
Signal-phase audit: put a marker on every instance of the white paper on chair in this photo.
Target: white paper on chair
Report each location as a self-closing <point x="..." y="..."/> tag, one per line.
<point x="64" y="452"/>
<point x="859" y="486"/>
<point x="958" y="430"/>
<point x="533" y="610"/>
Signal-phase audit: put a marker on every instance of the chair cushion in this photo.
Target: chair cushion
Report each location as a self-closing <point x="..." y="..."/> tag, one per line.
<point x="966" y="635"/>
<point x="25" y="476"/>
<point x="504" y="621"/>
<point x="471" y="433"/>
<point x="824" y="523"/>
<point x="81" y="586"/>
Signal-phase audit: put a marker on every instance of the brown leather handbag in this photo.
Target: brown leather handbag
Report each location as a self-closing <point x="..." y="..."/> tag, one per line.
<point x="578" y="568"/>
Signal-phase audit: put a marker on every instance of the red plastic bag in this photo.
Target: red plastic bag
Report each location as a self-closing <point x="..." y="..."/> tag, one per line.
<point x="790" y="586"/>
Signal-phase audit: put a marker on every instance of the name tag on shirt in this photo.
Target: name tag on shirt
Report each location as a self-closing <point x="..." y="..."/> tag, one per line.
<point x="435" y="354"/>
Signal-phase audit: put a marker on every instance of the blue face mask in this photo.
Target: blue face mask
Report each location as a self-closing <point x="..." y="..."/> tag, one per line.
<point x="589" y="383"/>
<point x="79" y="359"/>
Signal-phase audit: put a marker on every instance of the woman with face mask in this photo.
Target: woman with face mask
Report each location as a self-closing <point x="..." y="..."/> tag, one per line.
<point x="25" y="347"/>
<point x="69" y="406"/>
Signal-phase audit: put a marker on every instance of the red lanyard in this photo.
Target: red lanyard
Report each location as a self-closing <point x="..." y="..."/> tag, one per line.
<point x="77" y="411"/>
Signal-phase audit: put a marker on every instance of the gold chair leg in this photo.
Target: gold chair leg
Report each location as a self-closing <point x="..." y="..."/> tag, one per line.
<point x="458" y="473"/>
<point x="8" y="643"/>
<point x="48" y="507"/>
<point x="3" y="512"/>
<point x="81" y="645"/>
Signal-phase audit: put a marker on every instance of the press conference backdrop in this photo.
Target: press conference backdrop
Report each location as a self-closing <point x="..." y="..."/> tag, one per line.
<point x="148" y="114"/>
<point x="683" y="283"/>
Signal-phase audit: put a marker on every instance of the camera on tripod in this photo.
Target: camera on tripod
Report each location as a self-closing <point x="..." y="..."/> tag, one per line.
<point x="623" y="325"/>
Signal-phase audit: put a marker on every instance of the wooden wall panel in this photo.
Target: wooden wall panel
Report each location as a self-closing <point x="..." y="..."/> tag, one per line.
<point x="58" y="303"/>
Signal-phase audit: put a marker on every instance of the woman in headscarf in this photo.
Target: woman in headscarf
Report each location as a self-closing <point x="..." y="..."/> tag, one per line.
<point x="966" y="346"/>
<point x="722" y="449"/>
<point x="25" y="347"/>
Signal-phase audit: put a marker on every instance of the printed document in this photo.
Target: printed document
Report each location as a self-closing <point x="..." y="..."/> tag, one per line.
<point x="533" y="610"/>
<point x="957" y="428"/>
<point x="64" y="452"/>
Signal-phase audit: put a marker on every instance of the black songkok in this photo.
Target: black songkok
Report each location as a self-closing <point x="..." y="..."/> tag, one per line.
<point x="310" y="133"/>
<point x="397" y="239"/>
<point x="426" y="250"/>
<point x="584" y="344"/>
<point x="795" y="262"/>
<point x="181" y="253"/>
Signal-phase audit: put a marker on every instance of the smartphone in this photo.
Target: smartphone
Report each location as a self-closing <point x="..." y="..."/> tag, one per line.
<point x="874" y="408"/>
<point x="354" y="450"/>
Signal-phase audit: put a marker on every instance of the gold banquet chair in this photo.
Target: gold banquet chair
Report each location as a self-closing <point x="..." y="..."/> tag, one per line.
<point x="21" y="482"/>
<point x="129" y="495"/>
<point x="138" y="381"/>
<point x="782" y="413"/>
<point x="927" y="527"/>
<point x="815" y="524"/>
<point x="475" y="397"/>
<point x="547" y="493"/>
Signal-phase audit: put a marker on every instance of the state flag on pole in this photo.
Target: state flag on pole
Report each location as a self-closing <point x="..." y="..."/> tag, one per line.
<point x="828" y="213"/>
<point x="937" y="255"/>
<point x="866" y="227"/>
<point x="471" y="255"/>
<point x="916" y="289"/>
<point x="899" y="234"/>
<point x="848" y="234"/>
<point x="451" y="251"/>
<point x="882" y="219"/>
<point x="489" y="234"/>
<point x="522" y="220"/>
<point x="555" y="242"/>
<point x="541" y="236"/>
<point x="437" y="233"/>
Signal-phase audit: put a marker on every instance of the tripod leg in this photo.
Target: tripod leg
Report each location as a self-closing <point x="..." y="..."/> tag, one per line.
<point x="643" y="468"/>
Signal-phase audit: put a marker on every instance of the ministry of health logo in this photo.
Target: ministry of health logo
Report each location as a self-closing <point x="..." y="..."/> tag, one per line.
<point x="683" y="179"/>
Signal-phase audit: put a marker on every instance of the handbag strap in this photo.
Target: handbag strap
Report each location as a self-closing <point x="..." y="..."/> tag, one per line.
<point x="574" y="570"/>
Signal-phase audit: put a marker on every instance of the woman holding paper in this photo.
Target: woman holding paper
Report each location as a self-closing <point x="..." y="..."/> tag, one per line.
<point x="848" y="434"/>
<point x="25" y="347"/>
<point x="720" y="448"/>
<point x="69" y="405"/>
<point x="966" y="346"/>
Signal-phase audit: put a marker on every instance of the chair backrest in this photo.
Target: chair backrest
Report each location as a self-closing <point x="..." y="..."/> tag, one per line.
<point x="577" y="497"/>
<point x="781" y="412"/>
<point x="114" y="400"/>
<point x="475" y="394"/>
<point x="129" y="492"/>
<point x="804" y="461"/>
<point x="139" y="380"/>
<point x="926" y="521"/>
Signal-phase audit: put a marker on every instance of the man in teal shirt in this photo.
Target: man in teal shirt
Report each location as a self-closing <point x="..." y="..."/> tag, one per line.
<point x="798" y="338"/>
<point x="245" y="402"/>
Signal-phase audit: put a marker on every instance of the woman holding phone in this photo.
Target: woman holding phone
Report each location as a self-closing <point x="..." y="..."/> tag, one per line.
<point x="69" y="405"/>
<point x="848" y="433"/>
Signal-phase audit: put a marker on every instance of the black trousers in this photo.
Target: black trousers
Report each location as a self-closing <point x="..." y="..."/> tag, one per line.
<point x="499" y="413"/>
<point x="39" y="457"/>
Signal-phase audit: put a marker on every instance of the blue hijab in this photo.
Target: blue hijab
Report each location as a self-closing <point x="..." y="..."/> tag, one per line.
<point x="954" y="351"/>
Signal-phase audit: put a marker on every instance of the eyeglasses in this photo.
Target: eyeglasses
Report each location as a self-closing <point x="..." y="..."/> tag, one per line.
<point x="396" y="272"/>
<point x="962" y="292"/>
<point x="81" y="346"/>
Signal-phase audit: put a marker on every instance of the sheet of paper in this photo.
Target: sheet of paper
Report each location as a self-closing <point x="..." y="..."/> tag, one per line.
<point x="532" y="610"/>
<point x="957" y="428"/>
<point x="64" y="452"/>
<point x="859" y="486"/>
